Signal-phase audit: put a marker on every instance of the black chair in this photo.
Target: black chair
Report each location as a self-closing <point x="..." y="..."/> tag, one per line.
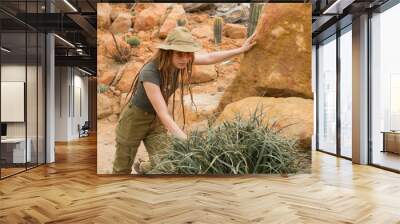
<point x="84" y="130"/>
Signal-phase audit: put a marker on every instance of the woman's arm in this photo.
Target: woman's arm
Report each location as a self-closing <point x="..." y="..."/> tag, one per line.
<point x="153" y="92"/>
<point x="218" y="56"/>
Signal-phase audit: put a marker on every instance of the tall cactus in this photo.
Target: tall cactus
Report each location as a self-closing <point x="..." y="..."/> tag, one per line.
<point x="218" y="30"/>
<point x="255" y="10"/>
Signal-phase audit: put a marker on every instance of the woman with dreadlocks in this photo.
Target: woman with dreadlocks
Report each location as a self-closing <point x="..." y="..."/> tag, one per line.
<point x="146" y="116"/>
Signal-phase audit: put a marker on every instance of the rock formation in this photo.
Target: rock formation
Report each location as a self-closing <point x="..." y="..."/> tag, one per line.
<point x="293" y="115"/>
<point x="280" y="63"/>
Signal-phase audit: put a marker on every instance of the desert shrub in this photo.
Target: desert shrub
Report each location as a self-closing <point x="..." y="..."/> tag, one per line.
<point x="133" y="41"/>
<point x="121" y="54"/>
<point x="180" y="22"/>
<point x="240" y="146"/>
<point x="102" y="88"/>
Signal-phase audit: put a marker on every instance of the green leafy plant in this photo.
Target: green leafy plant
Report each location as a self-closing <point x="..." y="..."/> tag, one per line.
<point x="102" y="88"/>
<point x="133" y="41"/>
<point x="240" y="146"/>
<point x="218" y="21"/>
<point x="255" y="10"/>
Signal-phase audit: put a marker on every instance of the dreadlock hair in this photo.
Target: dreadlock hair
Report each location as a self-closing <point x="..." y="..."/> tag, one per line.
<point x="167" y="70"/>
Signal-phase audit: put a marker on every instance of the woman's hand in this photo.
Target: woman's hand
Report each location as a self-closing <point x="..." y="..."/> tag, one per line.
<point x="153" y="92"/>
<point x="249" y="43"/>
<point x="219" y="56"/>
<point x="181" y="135"/>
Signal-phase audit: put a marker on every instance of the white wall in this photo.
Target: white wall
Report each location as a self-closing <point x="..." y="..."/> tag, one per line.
<point x="50" y="95"/>
<point x="61" y="103"/>
<point x="80" y="84"/>
<point x="33" y="127"/>
<point x="69" y="85"/>
<point x="12" y="73"/>
<point x="314" y="88"/>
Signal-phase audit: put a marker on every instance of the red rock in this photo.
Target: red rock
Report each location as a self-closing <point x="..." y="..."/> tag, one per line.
<point x="122" y="23"/>
<point x="144" y="36"/>
<point x="202" y="32"/>
<point x="139" y="7"/>
<point x="106" y="77"/>
<point x="114" y="14"/>
<point x="195" y="7"/>
<point x="148" y="18"/>
<point x="128" y="75"/>
<point x="110" y="47"/>
<point x="103" y="15"/>
<point x="293" y="114"/>
<point x="203" y="73"/>
<point x="199" y="18"/>
<point x="234" y="31"/>
<point x="104" y="106"/>
<point x="176" y="13"/>
<point x="279" y="65"/>
<point x="205" y="103"/>
<point x="133" y="19"/>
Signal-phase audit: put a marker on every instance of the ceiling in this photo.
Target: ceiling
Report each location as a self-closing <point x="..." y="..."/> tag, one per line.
<point x="75" y="21"/>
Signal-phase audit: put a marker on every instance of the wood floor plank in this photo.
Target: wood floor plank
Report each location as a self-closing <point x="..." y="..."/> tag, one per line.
<point x="70" y="191"/>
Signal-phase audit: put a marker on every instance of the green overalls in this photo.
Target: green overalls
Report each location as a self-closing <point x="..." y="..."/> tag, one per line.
<point x="138" y="121"/>
<point x="135" y="125"/>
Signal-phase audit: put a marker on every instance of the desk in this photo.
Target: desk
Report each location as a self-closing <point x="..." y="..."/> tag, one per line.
<point x="391" y="141"/>
<point x="15" y="148"/>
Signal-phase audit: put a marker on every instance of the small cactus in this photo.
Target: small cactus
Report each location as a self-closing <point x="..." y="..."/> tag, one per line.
<point x="255" y="10"/>
<point x="102" y="88"/>
<point x="133" y="41"/>
<point x="181" y="22"/>
<point x="218" y="30"/>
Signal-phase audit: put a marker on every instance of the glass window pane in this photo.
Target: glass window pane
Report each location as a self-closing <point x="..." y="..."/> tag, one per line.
<point x="31" y="97"/>
<point x="41" y="99"/>
<point x="346" y="94"/>
<point x="386" y="89"/>
<point x="22" y="77"/>
<point x="327" y="96"/>
<point x="13" y="85"/>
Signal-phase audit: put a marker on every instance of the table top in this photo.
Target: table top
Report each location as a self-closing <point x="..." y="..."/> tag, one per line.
<point x="13" y="140"/>
<point x="391" y="132"/>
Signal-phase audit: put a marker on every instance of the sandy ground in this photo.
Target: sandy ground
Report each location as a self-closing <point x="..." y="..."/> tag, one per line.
<point x="106" y="147"/>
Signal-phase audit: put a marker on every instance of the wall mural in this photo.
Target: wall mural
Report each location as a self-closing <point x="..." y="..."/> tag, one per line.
<point x="204" y="88"/>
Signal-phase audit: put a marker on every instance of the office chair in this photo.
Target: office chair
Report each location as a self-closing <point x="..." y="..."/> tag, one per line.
<point x="84" y="130"/>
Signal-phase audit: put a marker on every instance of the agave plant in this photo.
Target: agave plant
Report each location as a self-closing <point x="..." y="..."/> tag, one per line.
<point x="240" y="146"/>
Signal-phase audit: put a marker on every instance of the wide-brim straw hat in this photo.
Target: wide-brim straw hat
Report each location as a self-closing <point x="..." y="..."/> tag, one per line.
<point x="180" y="39"/>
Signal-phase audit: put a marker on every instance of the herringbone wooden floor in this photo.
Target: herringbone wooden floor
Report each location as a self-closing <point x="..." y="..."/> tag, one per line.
<point x="69" y="191"/>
